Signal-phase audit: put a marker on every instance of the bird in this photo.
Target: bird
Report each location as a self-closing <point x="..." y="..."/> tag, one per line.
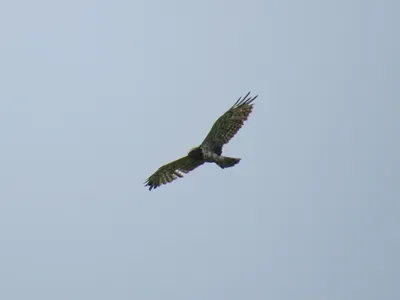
<point x="210" y="150"/>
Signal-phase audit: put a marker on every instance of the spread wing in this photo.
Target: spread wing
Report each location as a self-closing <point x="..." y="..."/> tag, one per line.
<point x="229" y="124"/>
<point x="172" y="171"/>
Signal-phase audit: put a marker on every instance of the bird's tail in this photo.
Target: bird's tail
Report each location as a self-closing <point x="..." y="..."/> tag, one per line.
<point x="227" y="162"/>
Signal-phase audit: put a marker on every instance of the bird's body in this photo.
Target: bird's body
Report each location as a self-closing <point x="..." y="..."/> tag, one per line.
<point x="203" y="154"/>
<point x="210" y="150"/>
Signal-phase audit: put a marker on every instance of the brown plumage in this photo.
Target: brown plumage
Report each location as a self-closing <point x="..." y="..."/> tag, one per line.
<point x="210" y="150"/>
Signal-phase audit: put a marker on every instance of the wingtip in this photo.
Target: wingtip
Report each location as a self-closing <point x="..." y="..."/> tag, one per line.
<point x="147" y="184"/>
<point x="150" y="187"/>
<point x="245" y="99"/>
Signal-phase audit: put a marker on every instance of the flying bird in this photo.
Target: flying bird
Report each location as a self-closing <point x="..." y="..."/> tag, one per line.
<point x="210" y="150"/>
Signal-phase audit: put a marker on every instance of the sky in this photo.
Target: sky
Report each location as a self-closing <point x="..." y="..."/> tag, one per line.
<point x="96" y="95"/>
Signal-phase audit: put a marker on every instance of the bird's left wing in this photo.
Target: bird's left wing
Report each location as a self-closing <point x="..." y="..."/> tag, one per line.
<point x="172" y="171"/>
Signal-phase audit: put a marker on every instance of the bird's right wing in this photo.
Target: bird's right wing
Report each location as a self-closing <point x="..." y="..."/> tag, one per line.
<point x="172" y="171"/>
<point x="224" y="129"/>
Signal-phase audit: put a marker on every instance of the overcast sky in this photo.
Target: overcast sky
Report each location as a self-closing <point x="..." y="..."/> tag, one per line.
<point x="96" y="95"/>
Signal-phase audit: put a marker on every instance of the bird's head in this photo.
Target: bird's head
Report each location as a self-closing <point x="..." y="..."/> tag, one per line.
<point x="192" y="149"/>
<point x="196" y="153"/>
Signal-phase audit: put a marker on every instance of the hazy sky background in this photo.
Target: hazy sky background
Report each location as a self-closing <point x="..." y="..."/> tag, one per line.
<point x="96" y="95"/>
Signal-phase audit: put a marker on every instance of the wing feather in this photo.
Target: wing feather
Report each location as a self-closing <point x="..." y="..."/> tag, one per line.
<point x="172" y="171"/>
<point x="225" y="128"/>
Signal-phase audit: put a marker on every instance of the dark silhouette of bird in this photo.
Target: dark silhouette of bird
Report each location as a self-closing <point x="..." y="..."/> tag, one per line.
<point x="210" y="149"/>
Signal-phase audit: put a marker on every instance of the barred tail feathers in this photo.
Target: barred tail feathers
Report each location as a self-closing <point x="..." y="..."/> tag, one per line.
<point x="227" y="162"/>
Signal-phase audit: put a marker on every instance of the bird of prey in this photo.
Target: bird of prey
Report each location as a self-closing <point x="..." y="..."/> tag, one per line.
<point x="210" y="149"/>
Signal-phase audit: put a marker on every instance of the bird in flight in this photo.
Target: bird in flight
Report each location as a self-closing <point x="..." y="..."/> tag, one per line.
<point x="210" y="149"/>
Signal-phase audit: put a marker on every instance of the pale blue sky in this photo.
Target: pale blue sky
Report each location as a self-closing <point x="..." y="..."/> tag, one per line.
<point x="96" y="95"/>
